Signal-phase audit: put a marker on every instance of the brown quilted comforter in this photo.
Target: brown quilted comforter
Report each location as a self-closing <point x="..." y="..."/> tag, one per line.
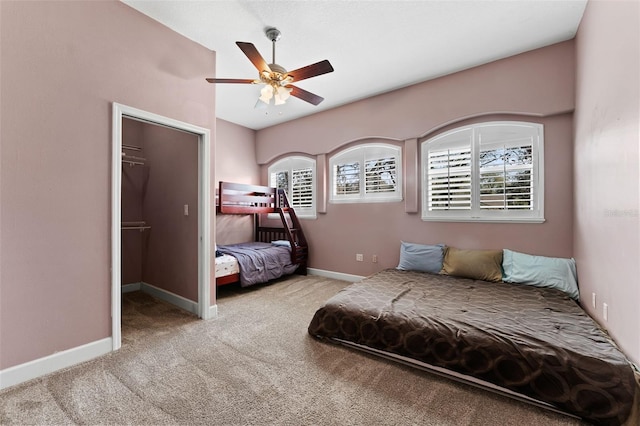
<point x="535" y="341"/>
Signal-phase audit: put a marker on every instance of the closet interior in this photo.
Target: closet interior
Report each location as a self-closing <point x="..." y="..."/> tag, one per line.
<point x="159" y="218"/>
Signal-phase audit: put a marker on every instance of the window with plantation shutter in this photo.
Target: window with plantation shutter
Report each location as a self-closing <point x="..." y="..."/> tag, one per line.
<point x="296" y="175"/>
<point x="366" y="173"/>
<point x="302" y="188"/>
<point x="485" y="172"/>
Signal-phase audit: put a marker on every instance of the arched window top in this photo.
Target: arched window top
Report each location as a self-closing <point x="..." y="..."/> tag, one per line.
<point x="293" y="161"/>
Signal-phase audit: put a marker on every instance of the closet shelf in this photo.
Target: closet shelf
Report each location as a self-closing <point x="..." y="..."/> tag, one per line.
<point x="140" y="226"/>
<point x="132" y="160"/>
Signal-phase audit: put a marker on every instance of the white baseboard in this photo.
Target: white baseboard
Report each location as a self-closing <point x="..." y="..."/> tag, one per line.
<point x="128" y="288"/>
<point x="334" y="275"/>
<point x="213" y="312"/>
<point x="167" y="296"/>
<point x="33" y="369"/>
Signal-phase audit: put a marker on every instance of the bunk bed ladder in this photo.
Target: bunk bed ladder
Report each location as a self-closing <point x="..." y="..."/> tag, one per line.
<point x="293" y="230"/>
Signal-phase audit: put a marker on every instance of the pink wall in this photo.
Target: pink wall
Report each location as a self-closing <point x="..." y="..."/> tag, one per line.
<point x="170" y="259"/>
<point x="235" y="162"/>
<point x="607" y="172"/>
<point x="539" y="83"/>
<point x="63" y="64"/>
<point x="236" y="153"/>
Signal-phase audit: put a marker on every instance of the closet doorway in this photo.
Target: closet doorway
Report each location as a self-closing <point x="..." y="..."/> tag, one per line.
<point x="126" y="155"/>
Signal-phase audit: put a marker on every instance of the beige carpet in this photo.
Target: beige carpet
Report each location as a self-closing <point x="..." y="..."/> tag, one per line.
<point x="253" y="365"/>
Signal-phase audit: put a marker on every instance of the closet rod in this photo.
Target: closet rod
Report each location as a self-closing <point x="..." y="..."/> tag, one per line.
<point x="139" y="225"/>
<point x="140" y="228"/>
<point x="133" y="163"/>
<point x="131" y="147"/>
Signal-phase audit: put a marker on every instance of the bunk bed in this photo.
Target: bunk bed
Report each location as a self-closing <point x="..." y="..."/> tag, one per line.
<point x="275" y="251"/>
<point x="524" y="341"/>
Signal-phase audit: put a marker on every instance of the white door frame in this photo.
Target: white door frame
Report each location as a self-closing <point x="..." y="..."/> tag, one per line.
<point x="204" y="210"/>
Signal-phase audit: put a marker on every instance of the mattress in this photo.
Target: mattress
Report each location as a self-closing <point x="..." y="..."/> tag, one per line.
<point x="260" y="262"/>
<point x="226" y="265"/>
<point x="533" y="341"/>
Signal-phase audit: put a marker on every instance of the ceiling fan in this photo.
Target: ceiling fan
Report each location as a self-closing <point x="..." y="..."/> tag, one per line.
<point x="277" y="80"/>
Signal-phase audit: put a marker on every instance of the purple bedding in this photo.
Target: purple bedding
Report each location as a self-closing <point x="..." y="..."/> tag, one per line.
<point x="533" y="341"/>
<point x="260" y="262"/>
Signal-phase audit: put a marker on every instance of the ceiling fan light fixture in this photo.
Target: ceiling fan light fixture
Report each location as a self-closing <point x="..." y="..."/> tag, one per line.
<point x="283" y="92"/>
<point x="280" y="95"/>
<point x="266" y="94"/>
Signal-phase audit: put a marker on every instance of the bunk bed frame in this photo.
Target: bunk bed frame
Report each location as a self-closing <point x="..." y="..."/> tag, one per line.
<point x="256" y="200"/>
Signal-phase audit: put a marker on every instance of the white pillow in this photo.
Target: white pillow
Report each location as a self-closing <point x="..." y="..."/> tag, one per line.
<point x="540" y="271"/>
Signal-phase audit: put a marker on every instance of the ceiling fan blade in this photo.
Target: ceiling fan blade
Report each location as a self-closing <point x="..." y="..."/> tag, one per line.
<point x="319" y="68"/>
<point x="254" y="56"/>
<point x="230" y="80"/>
<point x="304" y="95"/>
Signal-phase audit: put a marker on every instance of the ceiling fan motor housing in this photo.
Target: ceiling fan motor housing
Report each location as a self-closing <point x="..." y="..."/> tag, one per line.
<point x="273" y="34"/>
<point x="279" y="74"/>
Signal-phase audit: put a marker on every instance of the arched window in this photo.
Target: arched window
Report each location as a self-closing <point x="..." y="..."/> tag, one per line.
<point x="366" y="173"/>
<point x="484" y="172"/>
<point x="297" y="176"/>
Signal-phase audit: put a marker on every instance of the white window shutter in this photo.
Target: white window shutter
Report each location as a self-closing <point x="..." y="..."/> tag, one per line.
<point x="449" y="179"/>
<point x="381" y="175"/>
<point x="302" y="188"/>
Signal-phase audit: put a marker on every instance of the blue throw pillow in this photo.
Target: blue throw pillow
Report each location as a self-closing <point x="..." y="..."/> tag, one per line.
<point x="421" y="257"/>
<point x="540" y="271"/>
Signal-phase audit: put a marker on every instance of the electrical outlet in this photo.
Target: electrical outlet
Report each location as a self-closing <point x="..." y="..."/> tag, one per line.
<point x="359" y="257"/>
<point x="593" y="300"/>
<point x="605" y="311"/>
<point x="186" y="210"/>
<point x="374" y="258"/>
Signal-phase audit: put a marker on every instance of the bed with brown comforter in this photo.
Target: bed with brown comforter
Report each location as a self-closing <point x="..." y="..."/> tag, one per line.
<point x="534" y="341"/>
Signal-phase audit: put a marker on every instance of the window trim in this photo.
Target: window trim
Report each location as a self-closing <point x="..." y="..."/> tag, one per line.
<point x="288" y="164"/>
<point x="362" y="153"/>
<point x="475" y="214"/>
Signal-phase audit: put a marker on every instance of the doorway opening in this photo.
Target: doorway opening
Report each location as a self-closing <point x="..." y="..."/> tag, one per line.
<point x="123" y="114"/>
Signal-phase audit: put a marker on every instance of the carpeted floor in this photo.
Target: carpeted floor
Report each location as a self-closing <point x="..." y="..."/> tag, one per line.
<point x="253" y="365"/>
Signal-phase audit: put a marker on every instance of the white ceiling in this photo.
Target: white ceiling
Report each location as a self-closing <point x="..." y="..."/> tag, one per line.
<point x="374" y="46"/>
